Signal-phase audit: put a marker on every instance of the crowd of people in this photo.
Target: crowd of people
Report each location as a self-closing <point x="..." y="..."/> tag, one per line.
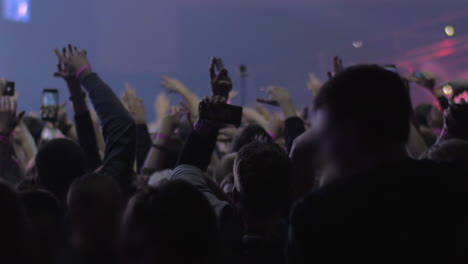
<point x="368" y="178"/>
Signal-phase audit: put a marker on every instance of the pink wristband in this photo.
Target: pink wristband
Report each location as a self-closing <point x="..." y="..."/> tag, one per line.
<point x="81" y="70"/>
<point x="272" y="135"/>
<point x="163" y="136"/>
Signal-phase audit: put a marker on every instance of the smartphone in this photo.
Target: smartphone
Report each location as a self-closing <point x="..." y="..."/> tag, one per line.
<point x="9" y="89"/>
<point x="50" y="105"/>
<point x="219" y="63"/>
<point x="225" y="113"/>
<point x="305" y="113"/>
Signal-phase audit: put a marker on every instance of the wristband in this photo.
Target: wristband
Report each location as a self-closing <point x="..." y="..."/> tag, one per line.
<point x="81" y="70"/>
<point x="272" y="135"/>
<point x="163" y="136"/>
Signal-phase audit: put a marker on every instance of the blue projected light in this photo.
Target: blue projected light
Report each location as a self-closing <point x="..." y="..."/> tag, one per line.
<point x="17" y="10"/>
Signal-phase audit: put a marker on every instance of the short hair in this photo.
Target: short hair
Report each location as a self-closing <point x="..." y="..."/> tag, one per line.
<point x="173" y="222"/>
<point x="263" y="179"/>
<point x="59" y="161"/>
<point x="422" y="112"/>
<point x="248" y="134"/>
<point x="95" y="201"/>
<point x="375" y="100"/>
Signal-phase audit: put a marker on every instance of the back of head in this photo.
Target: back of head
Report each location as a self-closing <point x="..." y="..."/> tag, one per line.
<point x="262" y="175"/>
<point x="59" y="162"/>
<point x="247" y="135"/>
<point x="173" y="223"/>
<point x="95" y="202"/>
<point x="365" y="104"/>
<point x="45" y="214"/>
<point x="12" y="225"/>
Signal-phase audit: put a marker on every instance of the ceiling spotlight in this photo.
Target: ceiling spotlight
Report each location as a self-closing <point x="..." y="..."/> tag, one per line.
<point x="449" y="30"/>
<point x="447" y="89"/>
<point x="357" y="44"/>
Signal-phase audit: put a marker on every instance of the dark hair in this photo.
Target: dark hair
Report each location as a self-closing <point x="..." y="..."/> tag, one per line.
<point x="263" y="171"/>
<point x="46" y="216"/>
<point x="422" y="112"/>
<point x="59" y="162"/>
<point x="13" y="226"/>
<point x="95" y="203"/>
<point x="173" y="223"/>
<point x="247" y="135"/>
<point x="375" y="100"/>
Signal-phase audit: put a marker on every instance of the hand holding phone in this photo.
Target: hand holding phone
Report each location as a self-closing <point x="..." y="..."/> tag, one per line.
<point x="50" y="105"/>
<point x="221" y="84"/>
<point x="216" y="110"/>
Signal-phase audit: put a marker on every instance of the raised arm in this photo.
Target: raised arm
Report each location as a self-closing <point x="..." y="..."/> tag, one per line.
<point x="117" y="124"/>
<point x="83" y="122"/>
<point x="293" y="125"/>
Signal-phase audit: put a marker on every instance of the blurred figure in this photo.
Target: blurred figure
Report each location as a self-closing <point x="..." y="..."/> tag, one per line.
<point x="173" y="223"/>
<point x="430" y="122"/>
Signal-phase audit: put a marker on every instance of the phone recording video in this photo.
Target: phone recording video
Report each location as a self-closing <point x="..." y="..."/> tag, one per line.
<point x="9" y="89"/>
<point x="50" y="105"/>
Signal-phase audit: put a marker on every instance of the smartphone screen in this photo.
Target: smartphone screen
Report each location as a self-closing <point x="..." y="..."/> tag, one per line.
<point x="50" y="102"/>
<point x="9" y="89"/>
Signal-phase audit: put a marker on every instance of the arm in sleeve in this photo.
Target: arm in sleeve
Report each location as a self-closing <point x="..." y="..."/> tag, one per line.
<point x="118" y="129"/>
<point x="87" y="139"/>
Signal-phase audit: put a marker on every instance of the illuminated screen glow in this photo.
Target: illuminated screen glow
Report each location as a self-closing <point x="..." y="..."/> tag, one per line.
<point x="17" y="10"/>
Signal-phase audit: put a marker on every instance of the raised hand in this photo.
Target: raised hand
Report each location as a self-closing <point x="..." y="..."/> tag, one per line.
<point x="75" y="61"/>
<point x="314" y="84"/>
<point x="221" y="84"/>
<point x="8" y="116"/>
<point x="161" y="105"/>
<point x="173" y="85"/>
<point x="134" y="104"/>
<point x="170" y="122"/>
<point x="338" y="67"/>
<point x="279" y="96"/>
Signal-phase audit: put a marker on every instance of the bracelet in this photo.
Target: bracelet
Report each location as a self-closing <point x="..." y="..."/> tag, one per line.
<point x="81" y="70"/>
<point x="81" y="96"/>
<point x="163" y="136"/>
<point x="272" y="135"/>
<point x="160" y="147"/>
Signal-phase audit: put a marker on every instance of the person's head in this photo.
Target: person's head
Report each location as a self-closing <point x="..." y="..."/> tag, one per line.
<point x="262" y="181"/>
<point x="453" y="151"/>
<point x="247" y="135"/>
<point x="46" y="216"/>
<point x="172" y="223"/>
<point x="59" y="162"/>
<point x="94" y="207"/>
<point x="429" y="116"/>
<point x="363" y="111"/>
<point x="13" y="225"/>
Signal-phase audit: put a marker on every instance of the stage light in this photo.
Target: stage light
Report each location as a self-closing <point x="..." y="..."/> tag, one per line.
<point x="357" y="44"/>
<point x="449" y="30"/>
<point x="447" y="89"/>
<point x="17" y="10"/>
